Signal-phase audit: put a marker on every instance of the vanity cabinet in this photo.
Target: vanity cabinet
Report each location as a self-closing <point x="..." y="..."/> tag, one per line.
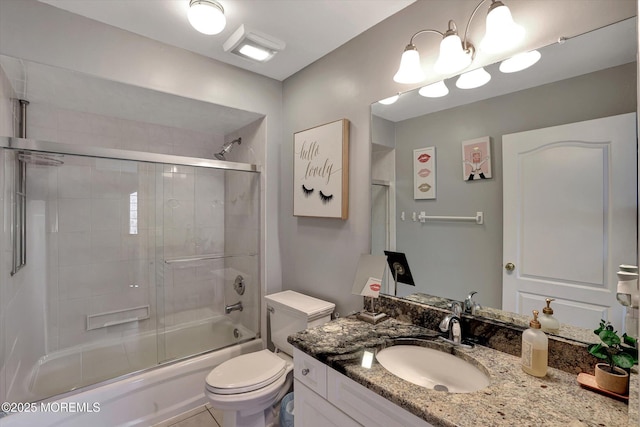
<point x="325" y="397"/>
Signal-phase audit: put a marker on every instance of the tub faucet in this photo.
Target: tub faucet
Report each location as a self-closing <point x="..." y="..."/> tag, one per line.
<point x="233" y="307"/>
<point x="451" y="323"/>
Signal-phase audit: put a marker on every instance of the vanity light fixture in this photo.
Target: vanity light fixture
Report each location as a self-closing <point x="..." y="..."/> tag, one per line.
<point x="434" y="90"/>
<point x="390" y="100"/>
<point x="520" y="61"/>
<point x="253" y="45"/>
<point x="456" y="54"/>
<point x="473" y="79"/>
<point x="206" y="16"/>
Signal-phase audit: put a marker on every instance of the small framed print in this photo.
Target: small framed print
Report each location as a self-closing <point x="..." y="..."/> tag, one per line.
<point x="476" y="159"/>
<point x="424" y="173"/>
<point x="321" y="171"/>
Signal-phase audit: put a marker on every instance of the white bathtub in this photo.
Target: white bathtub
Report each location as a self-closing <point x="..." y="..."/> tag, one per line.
<point x="138" y="400"/>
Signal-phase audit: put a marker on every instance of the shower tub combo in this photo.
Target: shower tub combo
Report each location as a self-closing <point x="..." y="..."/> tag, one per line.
<point x="119" y="272"/>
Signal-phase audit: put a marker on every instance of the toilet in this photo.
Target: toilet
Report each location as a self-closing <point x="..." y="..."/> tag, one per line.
<point x="248" y="388"/>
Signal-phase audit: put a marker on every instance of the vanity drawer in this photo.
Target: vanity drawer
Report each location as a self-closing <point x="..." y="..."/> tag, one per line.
<point x="310" y="372"/>
<point x="367" y="407"/>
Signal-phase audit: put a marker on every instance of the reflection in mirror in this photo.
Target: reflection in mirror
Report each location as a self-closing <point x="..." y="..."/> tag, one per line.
<point x="588" y="77"/>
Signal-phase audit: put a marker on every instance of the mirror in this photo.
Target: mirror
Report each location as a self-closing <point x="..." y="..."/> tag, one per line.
<point x="586" y="77"/>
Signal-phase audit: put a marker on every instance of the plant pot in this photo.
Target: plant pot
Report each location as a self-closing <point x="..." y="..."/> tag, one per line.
<point x="616" y="382"/>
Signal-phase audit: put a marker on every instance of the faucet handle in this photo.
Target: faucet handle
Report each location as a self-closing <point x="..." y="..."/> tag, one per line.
<point x="456" y="307"/>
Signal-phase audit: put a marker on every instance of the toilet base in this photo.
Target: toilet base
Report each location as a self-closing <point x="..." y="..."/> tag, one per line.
<point x="267" y="418"/>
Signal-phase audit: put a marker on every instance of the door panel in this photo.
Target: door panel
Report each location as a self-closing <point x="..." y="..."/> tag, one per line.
<point x="570" y="214"/>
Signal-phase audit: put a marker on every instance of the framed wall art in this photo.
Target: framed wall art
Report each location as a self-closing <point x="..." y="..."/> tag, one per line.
<point x="424" y="173"/>
<point x="321" y="171"/>
<point x="476" y="159"/>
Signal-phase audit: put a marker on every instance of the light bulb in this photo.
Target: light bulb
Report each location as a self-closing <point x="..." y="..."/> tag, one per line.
<point x="434" y="90"/>
<point x="452" y="57"/>
<point x="520" y="61"/>
<point x="206" y="16"/>
<point x="410" y="70"/>
<point x="502" y="33"/>
<point x="390" y="100"/>
<point x="473" y="79"/>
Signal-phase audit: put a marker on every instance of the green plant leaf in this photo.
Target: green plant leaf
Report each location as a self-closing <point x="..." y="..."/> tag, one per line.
<point x="599" y="351"/>
<point x="629" y="340"/>
<point x="623" y="360"/>
<point x="610" y="338"/>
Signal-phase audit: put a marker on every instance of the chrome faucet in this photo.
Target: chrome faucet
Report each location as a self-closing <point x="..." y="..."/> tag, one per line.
<point x="233" y="307"/>
<point x="470" y="305"/>
<point x="451" y="323"/>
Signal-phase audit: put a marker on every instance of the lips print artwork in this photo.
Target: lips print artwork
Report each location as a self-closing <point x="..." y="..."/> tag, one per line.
<point x="424" y="173"/>
<point x="424" y="158"/>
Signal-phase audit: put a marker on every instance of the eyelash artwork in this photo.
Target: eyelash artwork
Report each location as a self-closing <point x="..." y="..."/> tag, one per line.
<point x="325" y="199"/>
<point x="307" y="191"/>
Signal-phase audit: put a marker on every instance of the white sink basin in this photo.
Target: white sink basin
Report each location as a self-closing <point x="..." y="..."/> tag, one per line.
<point x="432" y="369"/>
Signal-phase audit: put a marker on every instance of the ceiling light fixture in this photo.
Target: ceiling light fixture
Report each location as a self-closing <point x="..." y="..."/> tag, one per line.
<point x="206" y="16"/>
<point x="473" y="79"/>
<point x="456" y="54"/>
<point x="253" y="45"/>
<point x="520" y="61"/>
<point x="434" y="90"/>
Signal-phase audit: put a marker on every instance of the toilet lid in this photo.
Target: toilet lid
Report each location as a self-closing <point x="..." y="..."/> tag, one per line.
<point x="246" y="373"/>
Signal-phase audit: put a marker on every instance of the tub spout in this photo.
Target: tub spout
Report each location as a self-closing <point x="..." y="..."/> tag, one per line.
<point x="233" y="307"/>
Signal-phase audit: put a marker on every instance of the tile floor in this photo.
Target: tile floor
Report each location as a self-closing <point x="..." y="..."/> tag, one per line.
<point x="204" y="416"/>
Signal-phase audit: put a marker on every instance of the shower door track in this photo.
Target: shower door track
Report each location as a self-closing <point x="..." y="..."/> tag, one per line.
<point x="112" y="153"/>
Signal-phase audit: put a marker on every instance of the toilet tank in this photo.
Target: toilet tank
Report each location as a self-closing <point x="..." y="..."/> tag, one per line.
<point x="290" y="312"/>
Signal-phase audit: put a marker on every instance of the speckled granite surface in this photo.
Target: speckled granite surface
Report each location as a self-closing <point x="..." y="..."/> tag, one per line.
<point x="491" y="333"/>
<point x="512" y="399"/>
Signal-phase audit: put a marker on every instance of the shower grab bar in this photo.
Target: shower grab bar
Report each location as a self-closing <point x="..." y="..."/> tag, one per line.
<point x="19" y="222"/>
<point x="206" y="257"/>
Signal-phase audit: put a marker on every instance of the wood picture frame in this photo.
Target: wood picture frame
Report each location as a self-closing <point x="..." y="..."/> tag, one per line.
<point x="321" y="171"/>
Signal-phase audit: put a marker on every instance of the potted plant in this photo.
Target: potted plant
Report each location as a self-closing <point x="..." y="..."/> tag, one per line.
<point x="620" y="354"/>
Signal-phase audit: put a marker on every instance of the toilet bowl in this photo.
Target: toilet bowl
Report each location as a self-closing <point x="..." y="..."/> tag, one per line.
<point x="248" y="388"/>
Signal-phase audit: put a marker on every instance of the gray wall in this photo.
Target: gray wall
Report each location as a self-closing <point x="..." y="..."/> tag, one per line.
<point x="450" y="259"/>
<point x="319" y="256"/>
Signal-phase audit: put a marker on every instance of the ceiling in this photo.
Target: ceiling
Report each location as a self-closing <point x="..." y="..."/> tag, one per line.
<point x="310" y="28"/>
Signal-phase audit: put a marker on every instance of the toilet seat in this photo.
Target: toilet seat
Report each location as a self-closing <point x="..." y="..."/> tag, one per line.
<point x="246" y="373"/>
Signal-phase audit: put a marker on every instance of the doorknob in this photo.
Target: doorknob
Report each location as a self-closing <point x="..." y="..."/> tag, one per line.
<point x="509" y="266"/>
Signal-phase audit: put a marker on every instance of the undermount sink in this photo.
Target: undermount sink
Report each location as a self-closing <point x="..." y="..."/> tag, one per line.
<point x="431" y="368"/>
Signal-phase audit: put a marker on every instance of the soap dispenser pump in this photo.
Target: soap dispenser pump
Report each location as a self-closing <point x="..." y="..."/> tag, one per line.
<point x="547" y="321"/>
<point x="535" y="349"/>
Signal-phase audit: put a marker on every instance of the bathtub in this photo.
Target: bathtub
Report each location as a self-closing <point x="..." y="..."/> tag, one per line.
<point x="140" y="399"/>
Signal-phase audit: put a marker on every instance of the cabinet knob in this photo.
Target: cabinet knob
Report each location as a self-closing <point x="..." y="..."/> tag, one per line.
<point x="305" y="371"/>
<point x="509" y="266"/>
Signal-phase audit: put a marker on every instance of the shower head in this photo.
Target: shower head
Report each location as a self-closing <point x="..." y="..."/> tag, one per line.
<point x="226" y="148"/>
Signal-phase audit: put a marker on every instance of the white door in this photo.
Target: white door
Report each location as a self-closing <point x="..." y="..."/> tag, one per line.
<point x="570" y="210"/>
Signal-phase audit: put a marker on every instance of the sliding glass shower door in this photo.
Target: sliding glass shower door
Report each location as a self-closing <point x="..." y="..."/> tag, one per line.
<point x="127" y="264"/>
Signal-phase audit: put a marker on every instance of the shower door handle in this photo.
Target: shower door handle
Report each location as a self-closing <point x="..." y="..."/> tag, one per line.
<point x="19" y="222"/>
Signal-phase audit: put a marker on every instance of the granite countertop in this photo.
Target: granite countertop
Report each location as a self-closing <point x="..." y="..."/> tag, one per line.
<point x="513" y="397"/>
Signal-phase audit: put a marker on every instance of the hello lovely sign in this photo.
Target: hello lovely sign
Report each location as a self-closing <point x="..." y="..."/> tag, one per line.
<point x="321" y="171"/>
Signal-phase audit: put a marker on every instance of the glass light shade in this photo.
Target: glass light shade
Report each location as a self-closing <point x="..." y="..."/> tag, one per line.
<point x="520" y="61"/>
<point x="473" y="79"/>
<point x="390" y="100"/>
<point x="502" y="33"/>
<point x="206" y="16"/>
<point x="452" y="57"/>
<point x="254" y="52"/>
<point x="410" y="70"/>
<point x="434" y="90"/>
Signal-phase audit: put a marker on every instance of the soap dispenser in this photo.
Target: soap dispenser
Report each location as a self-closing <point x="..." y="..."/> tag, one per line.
<point x="535" y="349"/>
<point x="547" y="321"/>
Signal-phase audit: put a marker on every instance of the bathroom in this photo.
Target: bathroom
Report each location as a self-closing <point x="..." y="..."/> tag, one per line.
<point x="336" y="86"/>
